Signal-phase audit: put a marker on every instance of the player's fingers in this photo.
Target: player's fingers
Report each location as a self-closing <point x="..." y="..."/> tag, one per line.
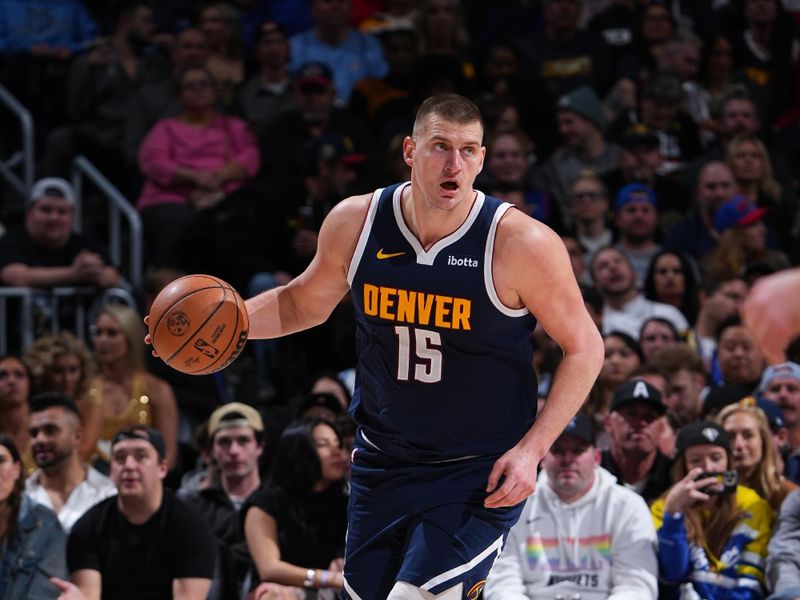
<point x="504" y="494"/>
<point x="147" y="319"/>
<point x="495" y="475"/>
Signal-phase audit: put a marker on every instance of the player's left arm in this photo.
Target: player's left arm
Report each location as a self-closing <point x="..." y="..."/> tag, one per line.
<point x="532" y="269"/>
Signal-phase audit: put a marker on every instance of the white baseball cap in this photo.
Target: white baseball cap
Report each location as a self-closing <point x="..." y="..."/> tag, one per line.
<point x="52" y="187"/>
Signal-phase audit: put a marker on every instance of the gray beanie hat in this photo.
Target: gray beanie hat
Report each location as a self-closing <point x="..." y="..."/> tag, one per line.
<point x="583" y="101"/>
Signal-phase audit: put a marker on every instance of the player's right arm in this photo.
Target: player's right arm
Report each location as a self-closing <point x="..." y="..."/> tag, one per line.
<point x="310" y="298"/>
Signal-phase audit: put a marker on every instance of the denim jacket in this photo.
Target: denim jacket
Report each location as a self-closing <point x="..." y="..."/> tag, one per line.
<point x="36" y="553"/>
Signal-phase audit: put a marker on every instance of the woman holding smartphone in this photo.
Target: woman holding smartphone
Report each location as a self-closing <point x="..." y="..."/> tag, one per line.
<point x="712" y="532"/>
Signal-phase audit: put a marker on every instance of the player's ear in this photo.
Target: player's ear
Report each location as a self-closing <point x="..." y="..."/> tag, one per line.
<point x="408" y="151"/>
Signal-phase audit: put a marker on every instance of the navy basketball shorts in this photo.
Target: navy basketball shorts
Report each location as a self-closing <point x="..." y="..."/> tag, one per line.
<point x="424" y="524"/>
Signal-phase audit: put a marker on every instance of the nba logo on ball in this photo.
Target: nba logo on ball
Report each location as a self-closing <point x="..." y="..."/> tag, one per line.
<point x="178" y="323"/>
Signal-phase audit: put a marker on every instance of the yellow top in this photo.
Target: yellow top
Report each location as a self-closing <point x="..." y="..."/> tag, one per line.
<point x="137" y="412"/>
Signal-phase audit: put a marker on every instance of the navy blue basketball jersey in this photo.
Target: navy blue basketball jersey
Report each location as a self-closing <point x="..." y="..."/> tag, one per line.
<point x="444" y="368"/>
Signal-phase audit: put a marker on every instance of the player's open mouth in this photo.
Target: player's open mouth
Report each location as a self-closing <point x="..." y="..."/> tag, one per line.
<point x="450" y="186"/>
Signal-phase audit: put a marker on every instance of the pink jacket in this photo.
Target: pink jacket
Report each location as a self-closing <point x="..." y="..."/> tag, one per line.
<point x="171" y="144"/>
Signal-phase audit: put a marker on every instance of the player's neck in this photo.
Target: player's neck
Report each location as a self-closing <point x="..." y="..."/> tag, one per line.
<point x="429" y="223"/>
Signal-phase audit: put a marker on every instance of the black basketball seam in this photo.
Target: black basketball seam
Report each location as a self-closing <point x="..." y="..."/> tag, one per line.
<point x="208" y="318"/>
<point x="171" y="306"/>
<point x="235" y="327"/>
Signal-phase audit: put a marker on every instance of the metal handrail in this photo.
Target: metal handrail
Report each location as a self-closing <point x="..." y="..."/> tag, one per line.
<point x="26" y="317"/>
<point x="22" y="186"/>
<point x="119" y="206"/>
<point x="30" y="298"/>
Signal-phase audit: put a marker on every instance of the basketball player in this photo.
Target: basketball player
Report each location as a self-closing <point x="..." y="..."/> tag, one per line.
<point x="448" y="284"/>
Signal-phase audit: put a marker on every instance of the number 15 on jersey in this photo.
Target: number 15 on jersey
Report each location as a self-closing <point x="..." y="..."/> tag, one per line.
<point x="419" y="354"/>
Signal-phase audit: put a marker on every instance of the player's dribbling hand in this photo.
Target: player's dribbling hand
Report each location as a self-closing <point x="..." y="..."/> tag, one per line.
<point x="518" y="467"/>
<point x="147" y="339"/>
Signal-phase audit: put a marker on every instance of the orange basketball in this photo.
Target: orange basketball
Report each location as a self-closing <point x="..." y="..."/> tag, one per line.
<point x="198" y="324"/>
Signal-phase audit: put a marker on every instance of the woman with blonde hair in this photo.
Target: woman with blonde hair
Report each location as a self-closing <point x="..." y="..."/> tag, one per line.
<point x="712" y="532"/>
<point x="751" y="165"/>
<point x="124" y="393"/>
<point x="747" y="157"/>
<point x="753" y="451"/>
<point x="63" y="363"/>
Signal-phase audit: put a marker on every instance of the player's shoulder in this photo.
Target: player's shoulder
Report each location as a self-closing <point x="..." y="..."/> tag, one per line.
<point x="517" y="230"/>
<point x="348" y="216"/>
<point x="343" y="225"/>
<point x="352" y="206"/>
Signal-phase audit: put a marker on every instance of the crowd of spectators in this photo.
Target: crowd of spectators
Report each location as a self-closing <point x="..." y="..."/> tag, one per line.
<point x="659" y="138"/>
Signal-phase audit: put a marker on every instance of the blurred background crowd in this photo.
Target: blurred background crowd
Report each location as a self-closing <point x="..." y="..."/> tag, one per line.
<point x="659" y="139"/>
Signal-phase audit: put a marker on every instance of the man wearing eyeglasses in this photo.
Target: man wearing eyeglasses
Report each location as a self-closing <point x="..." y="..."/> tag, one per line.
<point x="588" y="202"/>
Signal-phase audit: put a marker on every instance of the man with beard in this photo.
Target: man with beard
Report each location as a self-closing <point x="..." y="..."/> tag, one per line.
<point x="636" y="218"/>
<point x="577" y="515"/>
<point x="62" y="482"/>
<point x="686" y="374"/>
<point x="633" y="456"/>
<point x="100" y="87"/>
<point x="624" y="306"/>
<point x="781" y="384"/>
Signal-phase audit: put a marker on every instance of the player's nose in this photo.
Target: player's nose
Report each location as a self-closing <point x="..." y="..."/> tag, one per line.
<point x="453" y="163"/>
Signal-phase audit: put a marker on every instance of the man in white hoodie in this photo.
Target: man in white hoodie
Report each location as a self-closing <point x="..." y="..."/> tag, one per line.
<point x="581" y="536"/>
